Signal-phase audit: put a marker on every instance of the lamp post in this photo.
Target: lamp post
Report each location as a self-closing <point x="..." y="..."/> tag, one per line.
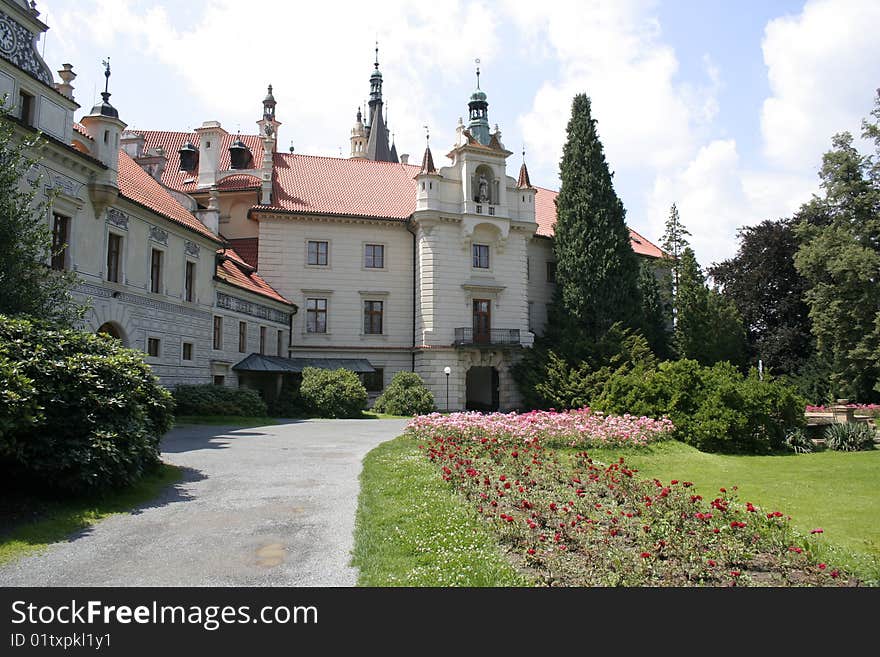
<point x="447" y="371"/>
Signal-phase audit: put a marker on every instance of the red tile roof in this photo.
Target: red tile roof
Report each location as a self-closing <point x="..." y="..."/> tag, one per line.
<point x="545" y="216"/>
<point x="171" y="142"/>
<point x="137" y="185"/>
<point x="353" y="187"/>
<point x="232" y="269"/>
<point x="238" y="181"/>
<point x="248" y="249"/>
<point x="81" y="129"/>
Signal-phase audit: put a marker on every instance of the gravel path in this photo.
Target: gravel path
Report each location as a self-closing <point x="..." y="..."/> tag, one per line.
<point x="266" y="506"/>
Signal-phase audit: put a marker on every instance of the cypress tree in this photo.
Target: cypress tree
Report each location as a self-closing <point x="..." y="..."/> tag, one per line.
<point x="596" y="269"/>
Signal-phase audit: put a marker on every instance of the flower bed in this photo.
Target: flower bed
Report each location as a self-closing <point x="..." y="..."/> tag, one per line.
<point x="587" y="524"/>
<point x="576" y="428"/>
<point x="861" y="409"/>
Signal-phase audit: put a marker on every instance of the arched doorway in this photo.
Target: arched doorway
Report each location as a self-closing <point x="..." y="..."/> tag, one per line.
<point x="482" y="389"/>
<point x="113" y="330"/>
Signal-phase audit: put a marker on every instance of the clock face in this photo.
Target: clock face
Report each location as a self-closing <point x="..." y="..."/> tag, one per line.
<point x="7" y="38"/>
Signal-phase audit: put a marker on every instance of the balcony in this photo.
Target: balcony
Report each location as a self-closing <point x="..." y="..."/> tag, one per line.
<point x="465" y="337"/>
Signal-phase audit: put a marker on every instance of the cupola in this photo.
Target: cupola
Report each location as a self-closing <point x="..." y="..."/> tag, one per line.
<point x="240" y="155"/>
<point x="189" y="157"/>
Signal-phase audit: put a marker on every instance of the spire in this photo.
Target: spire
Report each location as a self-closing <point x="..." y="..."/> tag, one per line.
<point x="478" y="107"/>
<point x="105" y="108"/>
<point x="427" y="158"/>
<point x="394" y="157"/>
<point x="269" y="106"/>
<point x="523" y="182"/>
<point x="375" y="86"/>
<point x="378" y="148"/>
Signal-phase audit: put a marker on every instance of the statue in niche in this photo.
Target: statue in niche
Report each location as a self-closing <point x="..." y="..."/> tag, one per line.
<point x="484" y="189"/>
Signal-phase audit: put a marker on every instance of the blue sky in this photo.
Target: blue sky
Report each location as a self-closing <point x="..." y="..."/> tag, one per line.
<point x="722" y="107"/>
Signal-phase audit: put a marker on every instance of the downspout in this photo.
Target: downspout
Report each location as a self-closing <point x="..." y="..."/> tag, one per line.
<point x="413" y="353"/>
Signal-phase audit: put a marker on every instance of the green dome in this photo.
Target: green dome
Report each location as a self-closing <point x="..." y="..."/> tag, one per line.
<point x="479" y="94"/>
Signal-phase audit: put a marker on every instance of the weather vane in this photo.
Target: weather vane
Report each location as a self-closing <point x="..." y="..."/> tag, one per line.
<point x="477" y="62"/>
<point x="106" y="64"/>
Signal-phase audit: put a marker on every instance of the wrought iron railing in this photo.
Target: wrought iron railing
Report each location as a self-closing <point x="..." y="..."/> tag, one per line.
<point x="495" y="336"/>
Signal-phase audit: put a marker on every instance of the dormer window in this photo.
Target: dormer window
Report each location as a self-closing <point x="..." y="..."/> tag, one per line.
<point x="189" y="157"/>
<point x="239" y="155"/>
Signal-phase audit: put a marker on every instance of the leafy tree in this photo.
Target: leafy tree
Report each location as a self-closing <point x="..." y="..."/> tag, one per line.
<point x="656" y="315"/>
<point x="596" y="268"/>
<point x="674" y="242"/>
<point x="28" y="286"/>
<point x="767" y="290"/>
<point x="839" y="256"/>
<point x="709" y="328"/>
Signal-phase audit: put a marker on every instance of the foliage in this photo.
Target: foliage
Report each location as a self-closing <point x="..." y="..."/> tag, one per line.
<point x="88" y="415"/>
<point x="209" y="399"/>
<point x="797" y="441"/>
<point x="716" y="409"/>
<point x="550" y="379"/>
<point x="405" y="395"/>
<point x="839" y="256"/>
<point x="596" y="268"/>
<point x="768" y="292"/>
<point x="28" y="287"/>
<point x="583" y="523"/>
<point x="332" y="393"/>
<point x="674" y="242"/>
<point x="849" y="437"/>
<point x="708" y="328"/>
<point x="813" y="380"/>
<point x="289" y="402"/>
<point x="656" y="311"/>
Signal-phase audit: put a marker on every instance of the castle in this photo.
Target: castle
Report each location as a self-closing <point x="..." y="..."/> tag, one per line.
<point x="226" y="260"/>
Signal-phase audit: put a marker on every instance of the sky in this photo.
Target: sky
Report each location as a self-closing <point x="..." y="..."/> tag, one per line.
<point x="721" y="107"/>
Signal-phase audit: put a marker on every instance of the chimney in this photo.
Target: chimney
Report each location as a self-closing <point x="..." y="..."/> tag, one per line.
<point x="67" y="76"/>
<point x="210" y="136"/>
<point x="404" y="158"/>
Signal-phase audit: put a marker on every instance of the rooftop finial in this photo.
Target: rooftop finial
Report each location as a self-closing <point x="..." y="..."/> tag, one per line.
<point x="427" y="136"/>
<point x="106" y="64"/>
<point x="291" y="145"/>
<point x="477" y="62"/>
<point x="377" y="54"/>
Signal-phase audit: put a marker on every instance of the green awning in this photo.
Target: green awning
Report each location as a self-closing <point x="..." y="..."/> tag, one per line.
<point x="258" y="363"/>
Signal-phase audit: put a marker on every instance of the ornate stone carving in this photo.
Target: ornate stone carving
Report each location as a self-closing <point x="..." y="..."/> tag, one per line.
<point x="118" y="218"/>
<point x="254" y="309"/>
<point x="158" y="235"/>
<point x="191" y="249"/>
<point x="17" y="45"/>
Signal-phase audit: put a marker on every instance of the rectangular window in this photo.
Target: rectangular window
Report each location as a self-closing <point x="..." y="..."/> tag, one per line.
<point x="190" y="281"/>
<point x="316" y="315"/>
<point x="551" y="272"/>
<point x="187" y="351"/>
<point x="218" y="333"/>
<point x="280" y="343"/>
<point x="374" y="256"/>
<point x="318" y="253"/>
<point x="374" y="381"/>
<point x="481" y="256"/>
<point x="528" y="268"/>
<point x="242" y="337"/>
<point x="153" y="347"/>
<point x="219" y="380"/>
<point x="26" y="103"/>
<point x="262" y="340"/>
<point x="156" y="271"/>
<point x="531" y="311"/>
<point x="373" y="317"/>
<point x="60" y="240"/>
<point x="114" y="257"/>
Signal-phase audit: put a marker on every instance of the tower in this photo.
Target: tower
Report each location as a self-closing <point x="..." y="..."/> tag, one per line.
<point x="478" y="107"/>
<point x="377" y="142"/>
<point x="359" y="137"/>
<point x="105" y="127"/>
<point x="269" y="124"/>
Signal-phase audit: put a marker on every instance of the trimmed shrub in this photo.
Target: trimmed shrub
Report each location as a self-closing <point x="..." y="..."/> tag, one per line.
<point x="209" y="399"/>
<point x="78" y="412"/>
<point x="715" y="409"/>
<point x="332" y="393"/>
<point x="405" y="395"/>
<point x="850" y="437"/>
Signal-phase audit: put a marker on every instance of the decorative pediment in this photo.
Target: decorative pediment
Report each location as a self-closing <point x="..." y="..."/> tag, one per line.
<point x="18" y="46"/>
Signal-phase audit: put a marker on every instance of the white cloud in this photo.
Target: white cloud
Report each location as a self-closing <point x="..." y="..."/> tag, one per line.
<point x="614" y="53"/>
<point x="823" y="66"/>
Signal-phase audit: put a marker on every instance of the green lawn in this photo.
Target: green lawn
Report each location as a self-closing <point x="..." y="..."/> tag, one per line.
<point x="412" y="530"/>
<point x="838" y="492"/>
<point x="28" y="525"/>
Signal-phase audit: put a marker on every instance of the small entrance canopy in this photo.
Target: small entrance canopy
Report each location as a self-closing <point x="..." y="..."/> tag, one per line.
<point x="258" y="363"/>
